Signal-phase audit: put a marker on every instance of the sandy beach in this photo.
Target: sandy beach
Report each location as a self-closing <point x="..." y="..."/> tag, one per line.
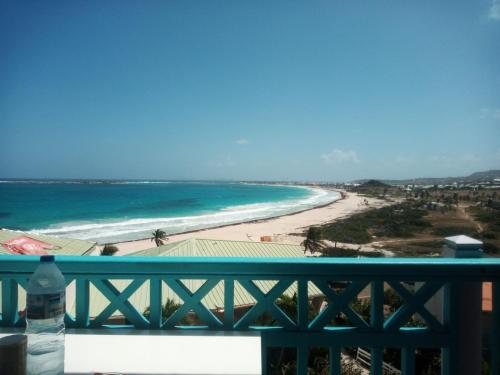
<point x="283" y="229"/>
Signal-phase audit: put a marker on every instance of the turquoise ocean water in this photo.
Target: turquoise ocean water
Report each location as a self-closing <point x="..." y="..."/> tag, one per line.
<point x="126" y="210"/>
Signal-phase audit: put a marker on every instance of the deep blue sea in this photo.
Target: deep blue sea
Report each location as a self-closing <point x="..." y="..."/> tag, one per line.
<point x="126" y="210"/>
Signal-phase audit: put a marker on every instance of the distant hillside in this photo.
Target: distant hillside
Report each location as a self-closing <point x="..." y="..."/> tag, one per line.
<point x="373" y="183"/>
<point x="375" y="188"/>
<point x="474" y="177"/>
<point x="487" y="175"/>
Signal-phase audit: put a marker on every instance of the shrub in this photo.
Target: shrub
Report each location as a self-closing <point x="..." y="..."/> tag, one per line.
<point x="314" y="233"/>
<point x="109" y="249"/>
<point x="488" y="216"/>
<point x="490" y="248"/>
<point x="392" y="299"/>
<point x="454" y="230"/>
<point x="399" y="220"/>
<point x="489" y="235"/>
<point x="168" y="309"/>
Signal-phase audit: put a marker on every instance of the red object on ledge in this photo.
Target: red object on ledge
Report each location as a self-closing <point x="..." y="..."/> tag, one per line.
<point x="27" y="246"/>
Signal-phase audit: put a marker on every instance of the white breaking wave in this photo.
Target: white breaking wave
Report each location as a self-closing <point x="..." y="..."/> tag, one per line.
<point x="105" y="231"/>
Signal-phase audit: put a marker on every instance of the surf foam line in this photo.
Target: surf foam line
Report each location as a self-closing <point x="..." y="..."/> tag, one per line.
<point x="107" y="230"/>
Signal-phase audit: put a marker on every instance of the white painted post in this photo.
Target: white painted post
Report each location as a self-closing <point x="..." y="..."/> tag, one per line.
<point x="467" y="306"/>
<point x="462" y="247"/>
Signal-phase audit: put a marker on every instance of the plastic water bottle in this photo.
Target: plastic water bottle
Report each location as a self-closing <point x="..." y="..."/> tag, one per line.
<point x="46" y="305"/>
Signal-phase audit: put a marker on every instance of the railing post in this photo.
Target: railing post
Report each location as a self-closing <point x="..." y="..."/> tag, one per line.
<point x="302" y="358"/>
<point x="155" y="303"/>
<point x="335" y="361"/>
<point x="377" y="323"/>
<point x="228" y="304"/>
<point x="82" y="300"/>
<point x="9" y="302"/>
<point x="465" y="299"/>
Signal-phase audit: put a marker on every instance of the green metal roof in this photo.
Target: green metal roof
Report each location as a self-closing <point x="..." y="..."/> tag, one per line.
<point x="210" y="248"/>
<point x="224" y="248"/>
<point x="66" y="246"/>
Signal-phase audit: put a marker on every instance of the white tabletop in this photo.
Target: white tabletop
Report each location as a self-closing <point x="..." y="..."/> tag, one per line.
<point x="156" y="352"/>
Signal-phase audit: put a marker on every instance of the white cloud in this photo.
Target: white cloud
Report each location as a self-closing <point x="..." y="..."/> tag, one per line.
<point x="242" y="141"/>
<point x="495" y="10"/>
<point x="340" y="156"/>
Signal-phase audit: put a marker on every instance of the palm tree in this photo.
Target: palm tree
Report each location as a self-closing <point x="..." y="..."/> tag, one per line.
<point x="313" y="240"/>
<point x="159" y="237"/>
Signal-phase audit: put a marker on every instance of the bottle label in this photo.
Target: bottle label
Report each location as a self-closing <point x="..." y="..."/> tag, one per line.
<point x="45" y="306"/>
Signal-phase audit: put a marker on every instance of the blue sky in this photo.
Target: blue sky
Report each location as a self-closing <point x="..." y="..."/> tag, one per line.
<point x="295" y="90"/>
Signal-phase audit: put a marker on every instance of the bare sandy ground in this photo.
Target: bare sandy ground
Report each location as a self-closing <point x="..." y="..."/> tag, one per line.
<point x="281" y="229"/>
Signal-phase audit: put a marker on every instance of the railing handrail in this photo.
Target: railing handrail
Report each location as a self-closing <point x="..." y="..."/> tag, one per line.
<point x="454" y="269"/>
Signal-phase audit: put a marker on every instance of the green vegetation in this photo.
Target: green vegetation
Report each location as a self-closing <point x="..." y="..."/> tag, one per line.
<point x="416" y="249"/>
<point x="491" y="248"/>
<point x="313" y="239"/>
<point x="488" y="215"/>
<point x="159" y="237"/>
<point x="377" y="189"/>
<point x="487" y="212"/>
<point x="168" y="309"/>
<point x="289" y="306"/>
<point x="399" y="220"/>
<point x="490" y="235"/>
<point x="392" y="299"/>
<point x="109" y="249"/>
<point x="427" y="216"/>
<point x="433" y="244"/>
<point x="352" y="230"/>
<point x="446" y="231"/>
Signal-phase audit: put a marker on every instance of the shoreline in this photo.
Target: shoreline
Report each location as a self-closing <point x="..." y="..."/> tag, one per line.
<point x="251" y="221"/>
<point x="287" y="228"/>
<point x="131" y="229"/>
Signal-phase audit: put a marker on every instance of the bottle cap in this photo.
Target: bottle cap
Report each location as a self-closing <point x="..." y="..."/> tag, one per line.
<point x="47" y="258"/>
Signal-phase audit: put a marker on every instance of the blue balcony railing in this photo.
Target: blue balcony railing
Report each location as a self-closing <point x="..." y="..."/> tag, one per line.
<point x="300" y="331"/>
